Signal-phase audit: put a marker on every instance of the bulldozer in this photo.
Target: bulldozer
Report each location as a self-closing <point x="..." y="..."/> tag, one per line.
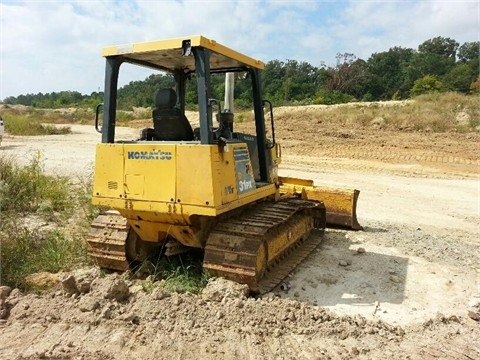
<point x="210" y="187"/>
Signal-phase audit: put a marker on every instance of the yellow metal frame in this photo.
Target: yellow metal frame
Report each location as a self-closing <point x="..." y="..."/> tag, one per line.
<point x="165" y="53"/>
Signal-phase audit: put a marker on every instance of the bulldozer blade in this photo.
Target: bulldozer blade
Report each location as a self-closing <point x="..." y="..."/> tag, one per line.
<point x="341" y="204"/>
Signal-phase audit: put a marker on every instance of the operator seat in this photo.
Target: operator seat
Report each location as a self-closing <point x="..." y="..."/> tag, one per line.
<point x="169" y="123"/>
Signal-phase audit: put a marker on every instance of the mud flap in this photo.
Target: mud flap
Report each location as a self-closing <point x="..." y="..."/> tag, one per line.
<point x="341" y="204"/>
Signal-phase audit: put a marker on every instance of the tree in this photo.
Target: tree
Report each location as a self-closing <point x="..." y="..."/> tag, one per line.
<point x="273" y="77"/>
<point x="426" y="84"/>
<point x="289" y="81"/>
<point x="469" y="51"/>
<point x="469" y="54"/>
<point x="459" y="78"/>
<point x="347" y="75"/>
<point x="434" y="57"/>
<point x="386" y="73"/>
<point x="441" y="46"/>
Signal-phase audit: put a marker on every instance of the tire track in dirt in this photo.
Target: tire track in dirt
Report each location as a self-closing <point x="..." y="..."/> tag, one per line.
<point x="438" y="170"/>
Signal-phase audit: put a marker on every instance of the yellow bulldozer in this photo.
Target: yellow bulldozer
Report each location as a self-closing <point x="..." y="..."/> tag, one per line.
<point x="209" y="187"/>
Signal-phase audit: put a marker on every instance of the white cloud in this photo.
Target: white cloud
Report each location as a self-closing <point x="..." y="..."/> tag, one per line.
<point x="50" y="46"/>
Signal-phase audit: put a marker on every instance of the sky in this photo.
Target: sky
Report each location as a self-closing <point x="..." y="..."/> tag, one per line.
<point x="55" y="45"/>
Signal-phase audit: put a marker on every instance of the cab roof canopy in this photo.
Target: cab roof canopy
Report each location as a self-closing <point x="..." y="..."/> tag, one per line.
<point x="173" y="54"/>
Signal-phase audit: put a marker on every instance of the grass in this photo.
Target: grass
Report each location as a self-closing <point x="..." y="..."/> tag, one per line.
<point x="28" y="189"/>
<point x="30" y="125"/>
<point x="184" y="274"/>
<point x="31" y="199"/>
<point x="439" y="113"/>
<point x="180" y="273"/>
<point x="23" y="120"/>
<point x="25" y="251"/>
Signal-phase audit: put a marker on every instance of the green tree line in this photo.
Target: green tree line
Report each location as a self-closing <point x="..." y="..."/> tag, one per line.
<point x="439" y="64"/>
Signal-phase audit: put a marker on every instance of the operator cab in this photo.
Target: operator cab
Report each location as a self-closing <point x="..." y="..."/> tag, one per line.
<point x="194" y="63"/>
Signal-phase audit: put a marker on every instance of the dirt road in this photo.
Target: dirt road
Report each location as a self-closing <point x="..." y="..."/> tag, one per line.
<point x="413" y="274"/>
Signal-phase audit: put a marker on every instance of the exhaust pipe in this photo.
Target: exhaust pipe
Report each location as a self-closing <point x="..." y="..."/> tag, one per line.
<point x="229" y="88"/>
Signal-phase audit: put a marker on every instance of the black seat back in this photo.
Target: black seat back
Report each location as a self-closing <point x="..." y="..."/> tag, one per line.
<point x="169" y="123"/>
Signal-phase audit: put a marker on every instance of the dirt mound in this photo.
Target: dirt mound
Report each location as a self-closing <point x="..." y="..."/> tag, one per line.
<point x="109" y="317"/>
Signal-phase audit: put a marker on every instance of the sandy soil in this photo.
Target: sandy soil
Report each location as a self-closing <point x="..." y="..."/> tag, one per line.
<point x="405" y="287"/>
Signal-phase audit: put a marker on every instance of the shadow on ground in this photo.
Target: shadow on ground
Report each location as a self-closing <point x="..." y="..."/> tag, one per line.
<point x="337" y="272"/>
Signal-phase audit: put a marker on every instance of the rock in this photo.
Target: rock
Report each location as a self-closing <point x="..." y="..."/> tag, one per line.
<point x="88" y="304"/>
<point x="4" y="292"/>
<point x="112" y="287"/>
<point x="131" y="317"/>
<point x="239" y="303"/>
<point x="3" y="312"/>
<point x="343" y="263"/>
<point x="42" y="280"/>
<point x="84" y="279"/>
<point x="15" y="293"/>
<point x="361" y="250"/>
<point x="135" y="289"/>
<point x="378" y="122"/>
<point x="218" y="289"/>
<point x="474" y="315"/>
<point x="70" y="285"/>
<point x="219" y="315"/>
<point x="285" y="286"/>
<point x="463" y="118"/>
<point x="395" y="279"/>
<point x="107" y="313"/>
<point x="269" y="295"/>
<point x="160" y="293"/>
<point x="177" y="300"/>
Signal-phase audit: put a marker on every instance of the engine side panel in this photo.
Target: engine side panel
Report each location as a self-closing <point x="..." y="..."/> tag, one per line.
<point x="160" y="186"/>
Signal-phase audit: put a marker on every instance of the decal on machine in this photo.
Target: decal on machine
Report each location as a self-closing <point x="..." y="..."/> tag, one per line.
<point x="243" y="170"/>
<point x="149" y="155"/>
<point x="245" y="185"/>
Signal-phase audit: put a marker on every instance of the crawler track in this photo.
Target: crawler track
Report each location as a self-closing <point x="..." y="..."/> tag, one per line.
<point x="260" y="246"/>
<point x="107" y="241"/>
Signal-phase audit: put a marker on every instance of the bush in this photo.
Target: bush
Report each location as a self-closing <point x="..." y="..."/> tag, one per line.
<point x="25" y="251"/>
<point x="332" y="97"/>
<point x="28" y="196"/>
<point x="425" y="85"/>
<point x="27" y="189"/>
<point x="29" y="125"/>
<point x="180" y="277"/>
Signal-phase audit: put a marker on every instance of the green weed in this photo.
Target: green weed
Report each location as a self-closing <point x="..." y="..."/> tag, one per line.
<point x="30" y="199"/>
<point x="30" y="125"/>
<point x="24" y="251"/>
<point x="183" y="273"/>
<point x="28" y="190"/>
